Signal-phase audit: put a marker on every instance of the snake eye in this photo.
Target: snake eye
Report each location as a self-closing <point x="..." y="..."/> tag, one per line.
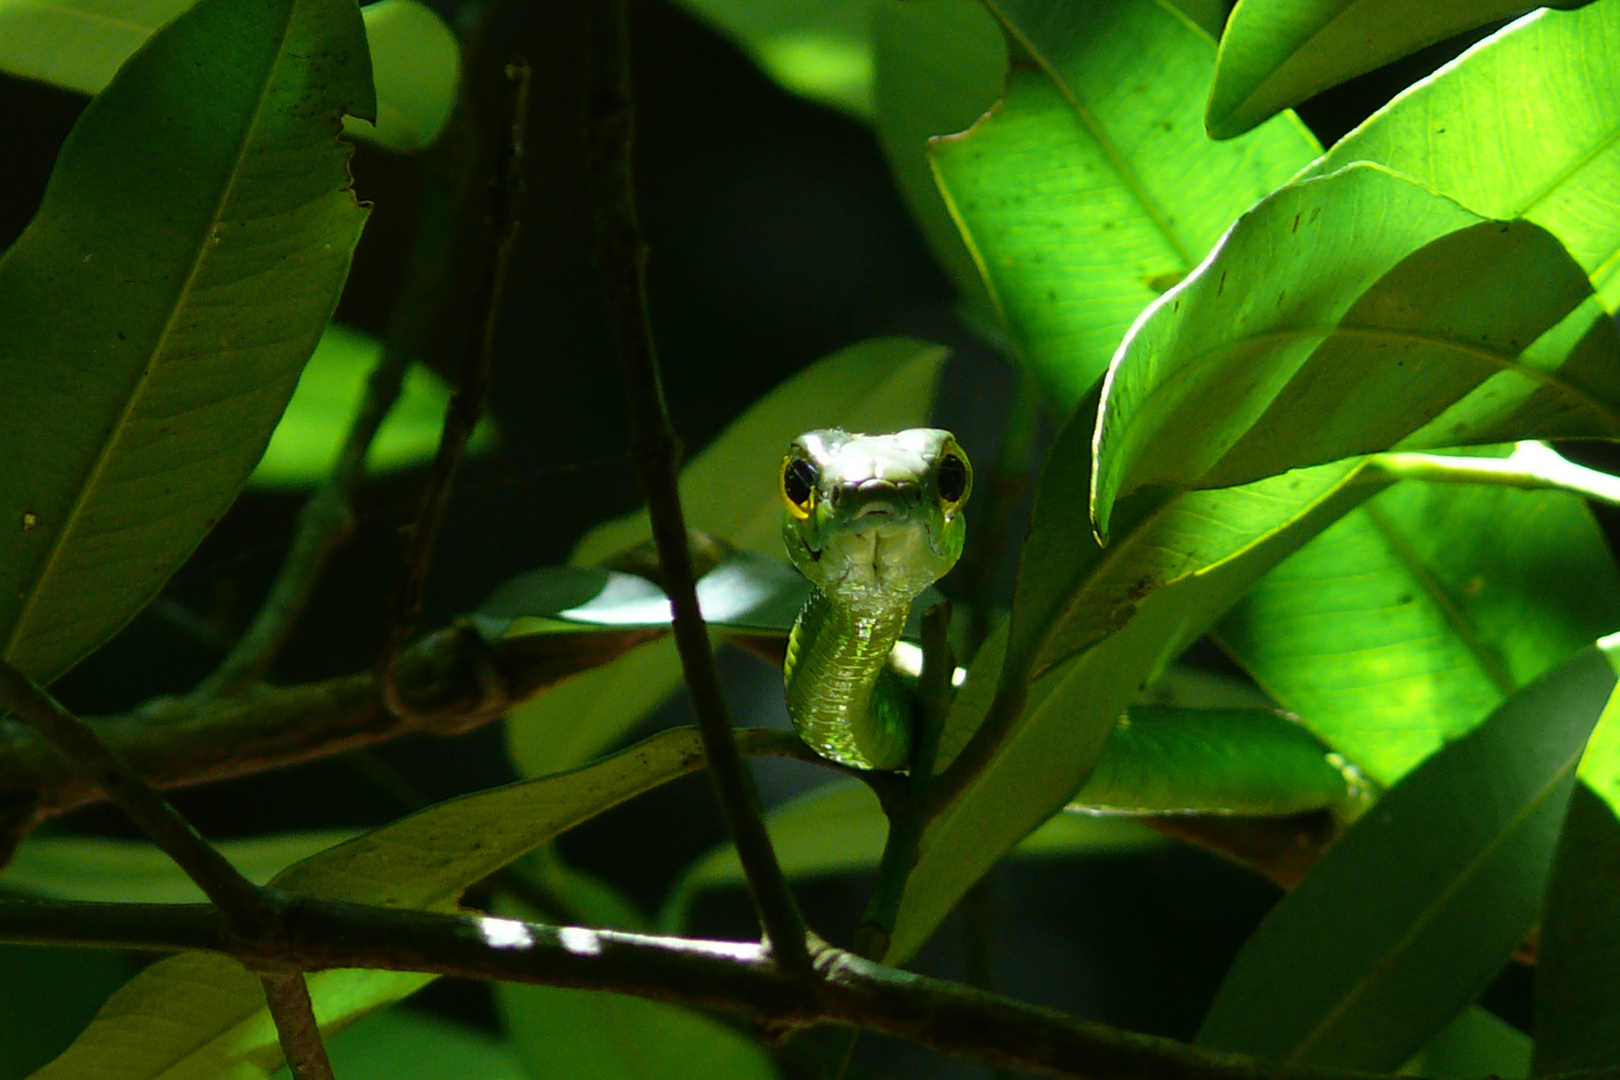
<point x="799" y="486"/>
<point x="952" y="478"/>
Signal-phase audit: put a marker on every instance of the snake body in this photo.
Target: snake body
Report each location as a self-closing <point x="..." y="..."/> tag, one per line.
<point x="872" y="521"/>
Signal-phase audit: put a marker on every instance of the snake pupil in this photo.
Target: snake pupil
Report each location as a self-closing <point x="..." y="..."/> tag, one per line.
<point x="952" y="478"/>
<point x="798" y="481"/>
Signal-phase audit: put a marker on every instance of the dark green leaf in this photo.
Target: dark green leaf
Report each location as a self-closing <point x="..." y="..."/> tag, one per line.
<point x="1525" y="124"/>
<point x="1341" y="316"/>
<point x="1277" y="53"/>
<point x="155" y="315"/>
<point x="1577" y="1000"/>
<point x="1410" y="620"/>
<point x="1477" y="1043"/>
<point x="1091" y="188"/>
<point x="1419" y="904"/>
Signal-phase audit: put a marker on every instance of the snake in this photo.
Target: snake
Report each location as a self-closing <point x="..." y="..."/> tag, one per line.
<point x="871" y="521"/>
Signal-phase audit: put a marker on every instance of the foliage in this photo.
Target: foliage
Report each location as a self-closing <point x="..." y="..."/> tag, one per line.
<point x="1229" y="328"/>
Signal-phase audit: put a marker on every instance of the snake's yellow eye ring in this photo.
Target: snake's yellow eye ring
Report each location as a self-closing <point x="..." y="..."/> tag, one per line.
<point x="799" y="478"/>
<point x="953" y="478"/>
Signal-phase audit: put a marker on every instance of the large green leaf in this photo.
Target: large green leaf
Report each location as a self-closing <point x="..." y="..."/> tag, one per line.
<point x="306" y="442"/>
<point x="1577" y="999"/>
<point x="1417" y="906"/>
<point x="134" y="871"/>
<point x="406" y="1044"/>
<point x="80" y="44"/>
<point x="1090" y="628"/>
<point x="1340" y="317"/>
<point x="154" y="317"/>
<point x="1091" y="189"/>
<point x="1477" y="1043"/>
<point x="1410" y="620"/>
<point x="202" y="1016"/>
<point x="1277" y="53"/>
<point x="1525" y="124"/>
<point x="840" y="829"/>
<point x="940" y="65"/>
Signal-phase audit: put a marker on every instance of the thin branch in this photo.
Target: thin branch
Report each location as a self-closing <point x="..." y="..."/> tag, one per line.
<point x="942" y="1016"/>
<point x="1532" y="465"/>
<point x="621" y="254"/>
<point x="239" y="898"/>
<point x="466" y="406"/>
<point x="286" y="994"/>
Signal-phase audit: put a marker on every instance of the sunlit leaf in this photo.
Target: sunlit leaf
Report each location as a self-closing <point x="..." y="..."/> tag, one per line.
<point x="1091" y="188"/>
<point x="1340" y="317"/>
<point x="1410" y="620"/>
<point x="1277" y="53"/>
<point x="306" y="442"/>
<point x="80" y="44"/>
<point x="188" y="251"/>
<point x="1524" y="124"/>
<point x="1412" y="911"/>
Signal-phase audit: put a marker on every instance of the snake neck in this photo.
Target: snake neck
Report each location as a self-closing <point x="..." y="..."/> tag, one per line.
<point x="844" y="701"/>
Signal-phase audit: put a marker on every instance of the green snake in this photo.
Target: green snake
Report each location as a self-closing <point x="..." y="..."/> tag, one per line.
<point x="872" y="521"/>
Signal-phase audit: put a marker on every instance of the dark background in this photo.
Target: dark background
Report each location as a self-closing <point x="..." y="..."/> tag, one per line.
<point x="777" y="237"/>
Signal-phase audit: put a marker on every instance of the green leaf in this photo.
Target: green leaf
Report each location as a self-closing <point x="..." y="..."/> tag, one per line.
<point x="1277" y="53"/>
<point x="1477" y="1043"/>
<point x="1089" y="630"/>
<point x="306" y="442"/>
<point x="132" y="871"/>
<point x="47" y="996"/>
<point x="1417" y="906"/>
<point x="1525" y="124"/>
<point x="839" y="828"/>
<point x="730" y="489"/>
<point x="202" y="1015"/>
<point x="1408" y="622"/>
<point x="80" y="44"/>
<point x="822" y="51"/>
<point x="1091" y="189"/>
<point x="154" y="317"/>
<point x="1340" y="317"/>
<point x="940" y="65"/>
<point x="406" y="1044"/>
<point x="1162" y="760"/>
<point x="1577" y="1003"/>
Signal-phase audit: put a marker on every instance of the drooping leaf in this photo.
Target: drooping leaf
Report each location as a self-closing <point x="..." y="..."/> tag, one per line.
<point x="1417" y="906"/>
<point x="1090" y="630"/>
<point x="189" y="249"/>
<point x="203" y="1015"/>
<point x="1409" y="621"/>
<point x="1524" y="124"/>
<point x="306" y="442"/>
<point x="1340" y="317"/>
<point x="1577" y="1003"/>
<point x="1277" y="53"/>
<point x="132" y="871"/>
<point x="941" y="64"/>
<point x="80" y="44"/>
<point x="1091" y="188"/>
<point x="822" y="51"/>
<point x="840" y="829"/>
<point x="729" y="489"/>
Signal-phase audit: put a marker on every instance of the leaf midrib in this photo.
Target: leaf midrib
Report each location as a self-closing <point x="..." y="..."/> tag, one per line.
<point x="150" y="370"/>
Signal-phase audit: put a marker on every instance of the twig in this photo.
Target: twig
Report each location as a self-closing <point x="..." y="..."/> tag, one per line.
<point x="466" y="405"/>
<point x="934" y="690"/>
<point x="327" y="519"/>
<point x="621" y="254"/>
<point x="286" y="993"/>
<point x="942" y="1016"/>
<point x="1532" y="465"/>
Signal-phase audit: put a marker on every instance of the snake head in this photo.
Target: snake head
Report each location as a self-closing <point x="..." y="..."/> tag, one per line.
<point x="875" y="519"/>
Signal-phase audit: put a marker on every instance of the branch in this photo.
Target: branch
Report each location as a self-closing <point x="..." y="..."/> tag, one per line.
<point x="941" y="1016"/>
<point x="466" y="406"/>
<point x="1534" y="466"/>
<point x="621" y="255"/>
<point x="286" y="995"/>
